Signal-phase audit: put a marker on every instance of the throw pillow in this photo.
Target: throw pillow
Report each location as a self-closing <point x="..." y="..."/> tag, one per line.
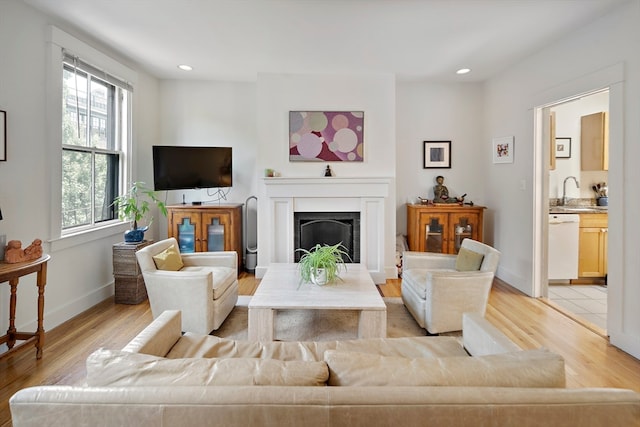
<point x="468" y="260"/>
<point x="530" y="368"/>
<point x="169" y="259"/>
<point x="121" y="368"/>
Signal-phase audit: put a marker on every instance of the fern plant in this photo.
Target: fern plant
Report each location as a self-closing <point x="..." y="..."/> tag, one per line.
<point x="330" y="258"/>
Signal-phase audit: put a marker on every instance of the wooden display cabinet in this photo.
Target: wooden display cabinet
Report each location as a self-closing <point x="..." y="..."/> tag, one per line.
<point x="592" y="252"/>
<point x="207" y="228"/>
<point x="442" y="228"/>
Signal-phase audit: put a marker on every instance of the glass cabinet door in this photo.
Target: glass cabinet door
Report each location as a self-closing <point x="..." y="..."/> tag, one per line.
<point x="463" y="226"/>
<point x="215" y="236"/>
<point x="433" y="230"/>
<point x="462" y="230"/>
<point x="186" y="236"/>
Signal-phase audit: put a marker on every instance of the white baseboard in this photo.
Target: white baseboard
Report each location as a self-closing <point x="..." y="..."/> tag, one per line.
<point x="71" y="309"/>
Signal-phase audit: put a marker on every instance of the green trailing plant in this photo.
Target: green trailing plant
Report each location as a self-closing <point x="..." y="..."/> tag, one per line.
<point x="135" y="204"/>
<point x="331" y="258"/>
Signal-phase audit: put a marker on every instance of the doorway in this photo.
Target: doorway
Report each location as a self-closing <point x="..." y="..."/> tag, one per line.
<point x="581" y="295"/>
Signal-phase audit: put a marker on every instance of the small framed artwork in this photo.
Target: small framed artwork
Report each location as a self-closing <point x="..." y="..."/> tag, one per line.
<point x="503" y="149"/>
<point x="563" y="148"/>
<point x="3" y="136"/>
<point x="437" y="155"/>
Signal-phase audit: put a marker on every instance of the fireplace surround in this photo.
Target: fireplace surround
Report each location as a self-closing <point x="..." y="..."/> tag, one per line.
<point x="281" y="197"/>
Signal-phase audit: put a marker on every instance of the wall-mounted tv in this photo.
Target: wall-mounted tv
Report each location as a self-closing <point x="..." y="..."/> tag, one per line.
<point x="181" y="168"/>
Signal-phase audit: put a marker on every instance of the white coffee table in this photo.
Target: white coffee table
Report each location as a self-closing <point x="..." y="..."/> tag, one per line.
<point x="280" y="289"/>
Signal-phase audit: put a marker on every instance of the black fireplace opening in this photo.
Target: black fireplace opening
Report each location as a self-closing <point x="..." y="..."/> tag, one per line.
<point x="330" y="228"/>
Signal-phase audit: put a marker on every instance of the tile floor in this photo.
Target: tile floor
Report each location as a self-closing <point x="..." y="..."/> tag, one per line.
<point x="586" y="301"/>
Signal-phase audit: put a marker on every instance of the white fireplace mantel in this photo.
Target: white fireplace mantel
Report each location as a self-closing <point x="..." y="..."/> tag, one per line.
<point x="283" y="196"/>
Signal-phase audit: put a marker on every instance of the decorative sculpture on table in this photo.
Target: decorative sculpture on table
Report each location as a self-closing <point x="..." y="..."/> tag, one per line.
<point x="15" y="253"/>
<point x="441" y="193"/>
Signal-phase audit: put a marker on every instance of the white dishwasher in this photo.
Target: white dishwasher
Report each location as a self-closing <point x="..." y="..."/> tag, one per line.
<point x="563" y="246"/>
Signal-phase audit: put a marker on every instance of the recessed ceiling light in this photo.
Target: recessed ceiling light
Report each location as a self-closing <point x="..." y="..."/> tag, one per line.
<point x="463" y="71"/>
<point x="185" y="67"/>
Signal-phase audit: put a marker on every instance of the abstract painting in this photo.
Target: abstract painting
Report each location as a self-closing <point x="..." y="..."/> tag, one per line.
<point x="326" y="136"/>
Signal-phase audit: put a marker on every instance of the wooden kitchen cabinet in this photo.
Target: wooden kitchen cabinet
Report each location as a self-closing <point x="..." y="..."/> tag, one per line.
<point x="207" y="228"/>
<point x="442" y="228"/>
<point x="594" y="142"/>
<point x="592" y="249"/>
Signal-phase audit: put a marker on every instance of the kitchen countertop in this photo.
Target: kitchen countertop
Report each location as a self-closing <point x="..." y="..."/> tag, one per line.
<point x="577" y="209"/>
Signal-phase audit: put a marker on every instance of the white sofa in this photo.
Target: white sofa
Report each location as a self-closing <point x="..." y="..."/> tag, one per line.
<point x="152" y="384"/>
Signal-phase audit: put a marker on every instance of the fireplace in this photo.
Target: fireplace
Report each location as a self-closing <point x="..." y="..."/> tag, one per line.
<point x="283" y="199"/>
<point x="330" y="228"/>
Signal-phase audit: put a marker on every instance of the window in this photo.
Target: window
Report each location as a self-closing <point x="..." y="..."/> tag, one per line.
<point x="95" y="118"/>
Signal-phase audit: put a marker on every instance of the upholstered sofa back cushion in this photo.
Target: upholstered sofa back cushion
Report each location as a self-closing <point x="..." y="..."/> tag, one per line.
<point x="194" y="345"/>
<point x="532" y="368"/>
<point x="121" y="368"/>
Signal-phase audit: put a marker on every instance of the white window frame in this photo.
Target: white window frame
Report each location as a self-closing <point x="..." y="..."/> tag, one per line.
<point x="59" y="41"/>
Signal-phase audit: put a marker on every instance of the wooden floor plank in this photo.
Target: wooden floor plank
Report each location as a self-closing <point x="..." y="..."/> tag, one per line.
<point x="590" y="360"/>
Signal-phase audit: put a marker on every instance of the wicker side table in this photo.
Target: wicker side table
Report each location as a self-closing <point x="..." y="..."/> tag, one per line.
<point x="129" y="283"/>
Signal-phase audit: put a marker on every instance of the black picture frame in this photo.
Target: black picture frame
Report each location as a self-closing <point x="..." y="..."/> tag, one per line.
<point x="563" y="148"/>
<point x="436" y="155"/>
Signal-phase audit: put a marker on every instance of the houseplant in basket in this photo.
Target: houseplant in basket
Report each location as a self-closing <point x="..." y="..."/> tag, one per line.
<point x="322" y="263"/>
<point x="133" y="206"/>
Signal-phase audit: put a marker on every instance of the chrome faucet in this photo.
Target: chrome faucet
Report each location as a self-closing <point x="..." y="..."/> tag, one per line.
<point x="564" y="189"/>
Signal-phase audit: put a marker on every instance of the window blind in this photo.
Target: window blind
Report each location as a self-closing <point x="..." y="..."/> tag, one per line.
<point x="74" y="61"/>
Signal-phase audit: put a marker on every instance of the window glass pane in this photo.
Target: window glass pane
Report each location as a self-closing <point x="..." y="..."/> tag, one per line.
<point x="95" y="120"/>
<point x="100" y="96"/>
<point x="106" y="186"/>
<point x="74" y="107"/>
<point x="76" y="188"/>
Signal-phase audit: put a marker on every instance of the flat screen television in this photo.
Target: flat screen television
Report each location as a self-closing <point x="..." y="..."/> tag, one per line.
<point x="182" y="168"/>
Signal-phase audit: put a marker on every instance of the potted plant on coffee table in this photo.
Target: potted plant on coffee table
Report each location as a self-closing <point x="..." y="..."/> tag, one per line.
<point x="322" y="263"/>
<point x="133" y="206"/>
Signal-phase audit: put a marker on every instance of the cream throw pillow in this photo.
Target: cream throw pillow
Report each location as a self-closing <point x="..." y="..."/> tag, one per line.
<point x="530" y="368"/>
<point x="468" y="260"/>
<point x="122" y="368"/>
<point x="169" y="259"/>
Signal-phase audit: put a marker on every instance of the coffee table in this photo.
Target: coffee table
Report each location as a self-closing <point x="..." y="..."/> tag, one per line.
<point x="280" y="289"/>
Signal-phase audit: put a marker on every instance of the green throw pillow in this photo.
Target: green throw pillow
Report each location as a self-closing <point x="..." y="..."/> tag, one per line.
<point x="468" y="260"/>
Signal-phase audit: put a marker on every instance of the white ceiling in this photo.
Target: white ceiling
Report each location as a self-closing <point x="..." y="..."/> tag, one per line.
<point x="413" y="39"/>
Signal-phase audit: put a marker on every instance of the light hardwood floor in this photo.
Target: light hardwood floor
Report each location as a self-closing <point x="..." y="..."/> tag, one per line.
<point x="590" y="360"/>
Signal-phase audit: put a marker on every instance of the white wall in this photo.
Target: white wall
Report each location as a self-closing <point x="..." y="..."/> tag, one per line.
<point x="208" y="113"/>
<point x="436" y="112"/>
<point x="79" y="274"/>
<point x="585" y="61"/>
<point x="277" y="94"/>
<point x="568" y="117"/>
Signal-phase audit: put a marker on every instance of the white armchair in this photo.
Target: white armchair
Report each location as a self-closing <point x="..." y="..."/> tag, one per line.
<point x="437" y="295"/>
<point x="205" y="289"/>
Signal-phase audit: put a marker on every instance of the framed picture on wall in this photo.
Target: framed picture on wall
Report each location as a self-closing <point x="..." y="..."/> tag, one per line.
<point x="563" y="148"/>
<point x="503" y="149"/>
<point x="437" y="155"/>
<point x="326" y="136"/>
